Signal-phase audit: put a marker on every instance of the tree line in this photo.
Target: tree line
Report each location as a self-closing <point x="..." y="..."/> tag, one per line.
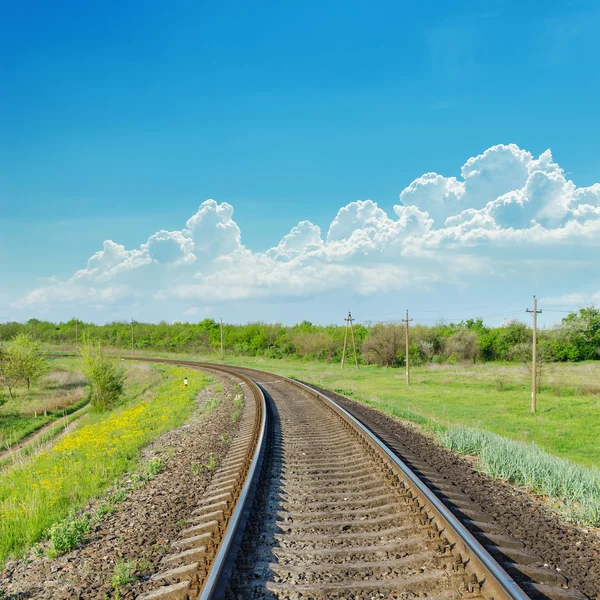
<point x="575" y="338"/>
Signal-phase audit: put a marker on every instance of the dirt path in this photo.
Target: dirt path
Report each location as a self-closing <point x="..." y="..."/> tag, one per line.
<point x="145" y="522"/>
<point x="31" y="439"/>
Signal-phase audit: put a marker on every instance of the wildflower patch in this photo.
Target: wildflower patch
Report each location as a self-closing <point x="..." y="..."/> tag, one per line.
<point x="86" y="462"/>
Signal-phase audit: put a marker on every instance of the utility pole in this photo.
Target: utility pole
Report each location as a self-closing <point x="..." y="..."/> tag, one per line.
<point x="221" y="319"/>
<point x="345" y="340"/>
<point x="349" y="320"/>
<point x="76" y="334"/>
<point x="535" y="313"/>
<point x="407" y="321"/>
<point x="132" y="350"/>
<point x="353" y="343"/>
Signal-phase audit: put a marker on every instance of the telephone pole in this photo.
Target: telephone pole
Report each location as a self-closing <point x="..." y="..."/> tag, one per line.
<point x="349" y="321"/>
<point x="221" y="319"/>
<point x="345" y="340"/>
<point x="407" y="321"/>
<point x="535" y="312"/>
<point x="132" y="322"/>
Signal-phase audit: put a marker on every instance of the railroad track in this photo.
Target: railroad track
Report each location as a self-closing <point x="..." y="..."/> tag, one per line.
<point x="309" y="503"/>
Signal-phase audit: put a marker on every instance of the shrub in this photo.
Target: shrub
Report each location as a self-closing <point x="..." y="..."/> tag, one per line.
<point x="68" y="534"/>
<point x="106" y="376"/>
<point x="124" y="573"/>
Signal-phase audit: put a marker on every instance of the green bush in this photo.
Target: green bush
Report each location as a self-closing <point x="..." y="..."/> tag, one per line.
<point x="68" y="534"/>
<point x="105" y="374"/>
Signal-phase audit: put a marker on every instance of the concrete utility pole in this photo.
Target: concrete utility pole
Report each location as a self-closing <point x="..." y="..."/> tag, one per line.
<point x="407" y="320"/>
<point x="132" y="322"/>
<point x="221" y="319"/>
<point x="535" y="313"/>
<point x="349" y="320"/>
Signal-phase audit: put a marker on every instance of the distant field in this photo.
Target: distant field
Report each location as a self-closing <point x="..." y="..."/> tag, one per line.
<point x="62" y="390"/>
<point x="567" y="423"/>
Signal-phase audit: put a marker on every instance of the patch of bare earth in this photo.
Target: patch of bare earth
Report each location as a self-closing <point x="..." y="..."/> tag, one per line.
<point x="145" y="523"/>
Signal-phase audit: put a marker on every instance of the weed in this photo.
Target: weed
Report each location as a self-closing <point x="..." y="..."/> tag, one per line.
<point x="117" y="496"/>
<point x="144" y="566"/>
<point x="212" y="462"/>
<point x="344" y="392"/>
<point x="225" y="438"/>
<point x="196" y="468"/>
<point x="238" y="405"/>
<point x="103" y="510"/>
<point x="155" y="466"/>
<point x="181" y="522"/>
<point x="68" y="534"/>
<point x="123" y="573"/>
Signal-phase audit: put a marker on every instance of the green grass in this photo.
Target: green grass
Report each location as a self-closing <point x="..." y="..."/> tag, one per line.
<point x="566" y="424"/>
<point x="465" y="405"/>
<point x="574" y="489"/>
<point x="59" y="393"/>
<point x="57" y="482"/>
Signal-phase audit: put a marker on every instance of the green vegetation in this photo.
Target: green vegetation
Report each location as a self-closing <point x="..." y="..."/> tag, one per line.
<point x="576" y="338"/>
<point x="123" y="574"/>
<point x="55" y="483"/>
<point x="68" y="534"/>
<point x="212" y="462"/>
<point x="21" y="364"/>
<point x="58" y="394"/>
<point x="105" y="374"/>
<point x="566" y="423"/>
<point x="575" y="489"/>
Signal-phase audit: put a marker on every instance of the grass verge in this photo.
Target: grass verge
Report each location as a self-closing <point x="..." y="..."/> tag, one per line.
<point x="574" y="490"/>
<point x="84" y="463"/>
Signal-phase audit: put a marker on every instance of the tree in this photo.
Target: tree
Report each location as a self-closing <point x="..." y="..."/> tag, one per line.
<point x="463" y="344"/>
<point x="106" y="376"/>
<point x="27" y="359"/>
<point x="22" y="363"/>
<point x="9" y="378"/>
<point x="383" y="345"/>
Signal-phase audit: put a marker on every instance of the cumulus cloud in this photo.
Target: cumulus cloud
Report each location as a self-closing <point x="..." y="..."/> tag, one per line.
<point x="444" y="228"/>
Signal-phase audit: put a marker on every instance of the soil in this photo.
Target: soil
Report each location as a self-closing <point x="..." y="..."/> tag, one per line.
<point x="144" y="524"/>
<point x="571" y="550"/>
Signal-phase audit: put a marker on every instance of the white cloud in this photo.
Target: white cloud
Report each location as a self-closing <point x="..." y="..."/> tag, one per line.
<point x="505" y="205"/>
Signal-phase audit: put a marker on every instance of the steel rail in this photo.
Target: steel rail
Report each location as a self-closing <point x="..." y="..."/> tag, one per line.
<point x="220" y="570"/>
<point x="497" y="583"/>
<point x="501" y="583"/>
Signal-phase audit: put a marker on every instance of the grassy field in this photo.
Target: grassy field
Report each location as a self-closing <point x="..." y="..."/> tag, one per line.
<point x="58" y="393"/>
<point x="85" y="462"/>
<point x="567" y="423"/>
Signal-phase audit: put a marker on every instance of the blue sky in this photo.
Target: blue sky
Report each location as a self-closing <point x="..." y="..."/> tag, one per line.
<point x="118" y="120"/>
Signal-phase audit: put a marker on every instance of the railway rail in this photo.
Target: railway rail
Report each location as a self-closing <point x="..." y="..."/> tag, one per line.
<point x="310" y="503"/>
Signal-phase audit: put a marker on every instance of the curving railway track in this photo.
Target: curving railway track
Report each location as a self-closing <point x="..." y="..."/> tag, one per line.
<point x="311" y="504"/>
